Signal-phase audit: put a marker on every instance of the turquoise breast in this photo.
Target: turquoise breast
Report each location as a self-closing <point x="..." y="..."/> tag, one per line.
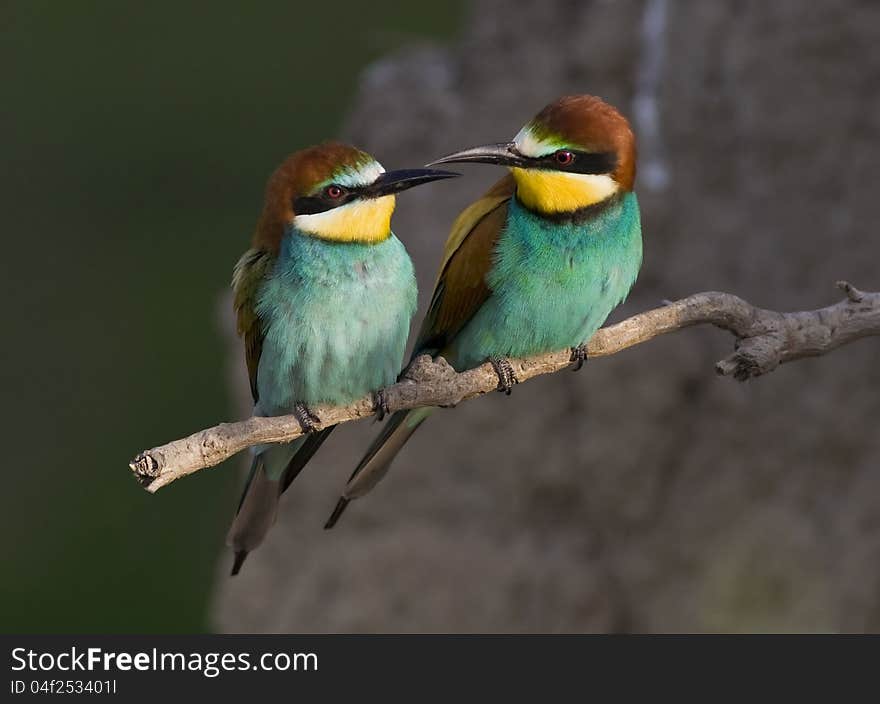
<point x="553" y="283"/>
<point x="335" y="318"/>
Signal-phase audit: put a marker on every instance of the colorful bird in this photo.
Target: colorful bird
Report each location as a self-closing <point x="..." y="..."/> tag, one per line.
<point x="535" y="265"/>
<point x="323" y="300"/>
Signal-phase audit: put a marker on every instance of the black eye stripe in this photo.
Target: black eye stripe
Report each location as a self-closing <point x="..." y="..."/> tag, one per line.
<point x="583" y="162"/>
<point x="309" y="205"/>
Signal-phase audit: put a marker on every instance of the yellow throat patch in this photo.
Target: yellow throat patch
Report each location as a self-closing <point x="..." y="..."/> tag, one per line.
<point x="365" y="221"/>
<point x="556" y="192"/>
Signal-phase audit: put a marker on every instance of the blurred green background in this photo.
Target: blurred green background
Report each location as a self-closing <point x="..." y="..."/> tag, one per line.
<point x="136" y="142"/>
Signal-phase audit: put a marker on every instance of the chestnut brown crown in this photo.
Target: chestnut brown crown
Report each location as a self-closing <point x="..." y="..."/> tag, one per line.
<point x="589" y="124"/>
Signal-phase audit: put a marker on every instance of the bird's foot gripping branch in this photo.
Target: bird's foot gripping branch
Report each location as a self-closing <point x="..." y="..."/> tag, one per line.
<point x="764" y="340"/>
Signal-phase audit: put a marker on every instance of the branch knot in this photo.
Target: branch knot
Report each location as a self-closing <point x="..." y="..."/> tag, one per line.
<point x="852" y="293"/>
<point x="425" y="369"/>
<point x="145" y="466"/>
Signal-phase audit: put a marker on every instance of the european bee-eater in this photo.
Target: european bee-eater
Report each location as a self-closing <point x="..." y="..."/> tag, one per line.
<point x="324" y="299"/>
<point x="535" y="265"/>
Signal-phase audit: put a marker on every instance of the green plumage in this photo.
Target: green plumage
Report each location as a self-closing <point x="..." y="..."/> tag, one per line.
<point x="329" y="323"/>
<point x="553" y="282"/>
<point x="335" y="318"/>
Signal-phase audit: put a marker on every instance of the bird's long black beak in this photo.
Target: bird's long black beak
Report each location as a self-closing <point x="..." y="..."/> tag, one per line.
<point x="502" y="154"/>
<point x="397" y="181"/>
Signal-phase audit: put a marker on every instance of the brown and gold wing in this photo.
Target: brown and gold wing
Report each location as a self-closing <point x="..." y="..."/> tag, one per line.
<point x="461" y="283"/>
<point x="249" y="272"/>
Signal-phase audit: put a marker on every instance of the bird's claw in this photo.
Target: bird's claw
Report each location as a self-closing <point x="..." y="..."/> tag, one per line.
<point x="578" y="356"/>
<point x="380" y="404"/>
<point x="308" y="421"/>
<point x="506" y="377"/>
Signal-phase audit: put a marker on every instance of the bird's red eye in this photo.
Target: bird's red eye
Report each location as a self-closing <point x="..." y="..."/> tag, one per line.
<point x="564" y="157"/>
<point x="334" y="191"/>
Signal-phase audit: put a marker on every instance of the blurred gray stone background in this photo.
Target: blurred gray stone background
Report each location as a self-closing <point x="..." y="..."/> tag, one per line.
<point x="644" y="493"/>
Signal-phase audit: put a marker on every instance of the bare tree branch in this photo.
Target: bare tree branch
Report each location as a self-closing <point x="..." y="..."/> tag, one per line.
<point x="765" y="339"/>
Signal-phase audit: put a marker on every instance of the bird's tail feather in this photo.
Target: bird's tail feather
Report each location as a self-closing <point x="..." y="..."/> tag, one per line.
<point x="258" y="507"/>
<point x="256" y="512"/>
<point x="376" y="461"/>
<point x="305" y="452"/>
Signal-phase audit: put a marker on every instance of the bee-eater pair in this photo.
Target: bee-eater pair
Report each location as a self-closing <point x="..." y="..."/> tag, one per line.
<point x="325" y="295"/>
